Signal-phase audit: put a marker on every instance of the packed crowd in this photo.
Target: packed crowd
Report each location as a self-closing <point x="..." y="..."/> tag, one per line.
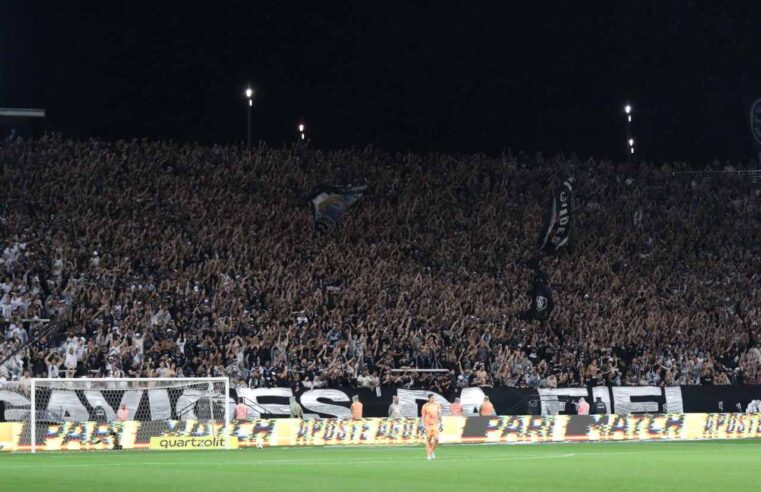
<point x="153" y="259"/>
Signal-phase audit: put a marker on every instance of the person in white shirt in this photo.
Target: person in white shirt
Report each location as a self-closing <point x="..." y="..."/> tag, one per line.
<point x="161" y="318"/>
<point x="6" y="307"/>
<point x="754" y="407"/>
<point x="19" y="303"/>
<point x="11" y="253"/>
<point x="139" y="341"/>
<point x="70" y="343"/>
<point x="113" y="362"/>
<point x="374" y="380"/>
<point x="25" y="382"/>
<point x="70" y="362"/>
<point x="315" y="383"/>
<point x="53" y="362"/>
<point x="364" y="380"/>
<point x="80" y="349"/>
<point x="163" y="370"/>
<point x="15" y="330"/>
<point x="181" y="341"/>
<point x="6" y="286"/>
<point x="15" y="366"/>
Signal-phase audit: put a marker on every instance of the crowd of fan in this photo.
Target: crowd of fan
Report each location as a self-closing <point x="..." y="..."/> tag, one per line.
<point x="154" y="259"/>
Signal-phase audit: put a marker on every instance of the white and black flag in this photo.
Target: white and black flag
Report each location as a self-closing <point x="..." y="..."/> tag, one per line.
<point x="557" y="225"/>
<point x="330" y="203"/>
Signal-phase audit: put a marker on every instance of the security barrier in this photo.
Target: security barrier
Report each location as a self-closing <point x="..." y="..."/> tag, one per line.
<point x="81" y="400"/>
<point x="169" y="435"/>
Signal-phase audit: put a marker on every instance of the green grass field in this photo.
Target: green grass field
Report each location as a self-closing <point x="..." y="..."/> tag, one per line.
<point x="674" y="466"/>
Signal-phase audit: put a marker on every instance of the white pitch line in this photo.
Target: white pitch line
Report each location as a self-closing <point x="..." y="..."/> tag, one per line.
<point x="636" y="445"/>
<point x="637" y="448"/>
<point x="288" y="462"/>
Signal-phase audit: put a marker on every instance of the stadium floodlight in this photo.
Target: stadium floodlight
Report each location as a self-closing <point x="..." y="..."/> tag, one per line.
<point x="629" y="137"/>
<point x="249" y="95"/>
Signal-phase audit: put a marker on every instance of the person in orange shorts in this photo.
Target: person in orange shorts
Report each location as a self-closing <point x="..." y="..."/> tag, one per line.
<point x="455" y="409"/>
<point x="487" y="409"/>
<point x="356" y="408"/>
<point x="431" y="414"/>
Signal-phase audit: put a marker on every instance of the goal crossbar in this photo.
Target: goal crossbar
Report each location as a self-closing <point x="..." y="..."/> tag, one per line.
<point x="127" y="380"/>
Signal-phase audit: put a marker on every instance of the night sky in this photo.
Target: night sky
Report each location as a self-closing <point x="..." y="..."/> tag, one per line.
<point x="402" y="75"/>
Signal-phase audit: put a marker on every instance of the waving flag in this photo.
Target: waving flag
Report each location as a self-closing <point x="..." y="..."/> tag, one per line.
<point x="755" y="125"/>
<point x="541" y="299"/>
<point x="557" y="225"/>
<point x="755" y="121"/>
<point x="330" y="203"/>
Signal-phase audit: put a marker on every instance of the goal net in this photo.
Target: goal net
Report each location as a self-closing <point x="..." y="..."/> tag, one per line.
<point x="84" y="414"/>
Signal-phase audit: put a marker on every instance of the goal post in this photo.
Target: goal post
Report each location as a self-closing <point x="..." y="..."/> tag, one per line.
<point x="108" y="413"/>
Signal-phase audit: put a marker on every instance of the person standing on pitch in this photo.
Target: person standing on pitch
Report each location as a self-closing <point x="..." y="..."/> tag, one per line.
<point x="395" y="409"/>
<point x="599" y="407"/>
<point x="431" y="414"/>
<point x="582" y="408"/>
<point x="296" y="411"/>
<point x="487" y="409"/>
<point x="356" y="408"/>
<point x="455" y="409"/>
<point x="241" y="410"/>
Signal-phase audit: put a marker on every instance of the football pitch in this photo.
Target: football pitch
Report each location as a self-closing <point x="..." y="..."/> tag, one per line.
<point x="671" y="466"/>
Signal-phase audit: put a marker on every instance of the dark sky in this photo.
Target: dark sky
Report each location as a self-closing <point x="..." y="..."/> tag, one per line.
<point x="451" y="76"/>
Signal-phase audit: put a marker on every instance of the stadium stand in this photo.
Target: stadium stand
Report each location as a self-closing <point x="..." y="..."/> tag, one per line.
<point x="155" y="259"/>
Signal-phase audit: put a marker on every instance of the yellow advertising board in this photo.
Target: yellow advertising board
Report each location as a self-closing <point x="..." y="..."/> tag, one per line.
<point x="193" y="434"/>
<point x="10" y="435"/>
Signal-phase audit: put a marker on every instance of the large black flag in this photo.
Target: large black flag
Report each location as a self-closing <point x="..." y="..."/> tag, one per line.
<point x="541" y="299"/>
<point x="557" y="225"/>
